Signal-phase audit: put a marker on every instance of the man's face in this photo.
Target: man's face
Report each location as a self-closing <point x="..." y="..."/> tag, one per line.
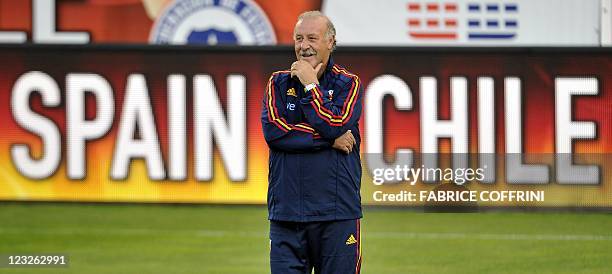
<point x="311" y="43"/>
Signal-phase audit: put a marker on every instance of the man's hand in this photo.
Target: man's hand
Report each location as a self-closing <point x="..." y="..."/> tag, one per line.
<point x="305" y="72"/>
<point x="345" y="142"/>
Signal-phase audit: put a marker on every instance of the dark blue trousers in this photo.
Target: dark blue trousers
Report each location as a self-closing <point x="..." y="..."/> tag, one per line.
<point x="332" y="247"/>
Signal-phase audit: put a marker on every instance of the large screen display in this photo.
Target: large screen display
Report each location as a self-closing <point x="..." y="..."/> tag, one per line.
<point x="182" y="125"/>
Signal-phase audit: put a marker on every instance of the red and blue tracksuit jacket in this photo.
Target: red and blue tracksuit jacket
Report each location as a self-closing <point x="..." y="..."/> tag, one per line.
<point x="308" y="179"/>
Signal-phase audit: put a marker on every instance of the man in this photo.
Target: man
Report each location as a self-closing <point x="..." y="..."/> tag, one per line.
<point x="310" y="121"/>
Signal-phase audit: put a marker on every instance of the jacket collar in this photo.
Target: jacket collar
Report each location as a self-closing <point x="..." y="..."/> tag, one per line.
<point x="325" y="77"/>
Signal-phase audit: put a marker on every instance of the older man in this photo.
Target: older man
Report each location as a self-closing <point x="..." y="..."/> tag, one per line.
<point x="310" y="121"/>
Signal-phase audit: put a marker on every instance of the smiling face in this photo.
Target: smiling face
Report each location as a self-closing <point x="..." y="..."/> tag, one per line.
<point x="311" y="41"/>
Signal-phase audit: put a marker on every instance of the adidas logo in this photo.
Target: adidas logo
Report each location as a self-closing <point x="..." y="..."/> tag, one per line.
<point x="291" y="92"/>
<point x="351" y="240"/>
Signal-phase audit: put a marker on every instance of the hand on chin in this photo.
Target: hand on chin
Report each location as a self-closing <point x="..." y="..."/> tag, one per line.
<point x="311" y="60"/>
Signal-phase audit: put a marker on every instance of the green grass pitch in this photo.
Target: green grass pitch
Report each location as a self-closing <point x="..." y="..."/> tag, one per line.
<point x="233" y="239"/>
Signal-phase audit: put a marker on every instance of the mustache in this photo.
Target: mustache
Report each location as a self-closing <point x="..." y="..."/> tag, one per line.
<point x="308" y="51"/>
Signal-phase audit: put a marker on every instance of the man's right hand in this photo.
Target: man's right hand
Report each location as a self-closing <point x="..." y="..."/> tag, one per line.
<point x="345" y="142"/>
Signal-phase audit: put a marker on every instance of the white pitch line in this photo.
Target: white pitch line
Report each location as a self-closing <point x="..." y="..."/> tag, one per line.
<point x="488" y="236"/>
<point x="132" y="231"/>
<point x="264" y="234"/>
